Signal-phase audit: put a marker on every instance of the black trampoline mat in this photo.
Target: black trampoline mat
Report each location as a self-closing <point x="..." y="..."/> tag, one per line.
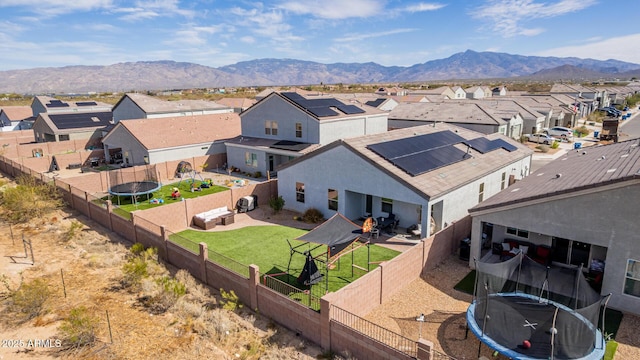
<point x="135" y="188"/>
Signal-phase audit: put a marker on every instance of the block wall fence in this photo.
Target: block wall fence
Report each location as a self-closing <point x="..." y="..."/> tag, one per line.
<point x="153" y="226"/>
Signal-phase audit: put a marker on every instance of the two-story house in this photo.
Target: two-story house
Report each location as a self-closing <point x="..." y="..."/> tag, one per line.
<point x="283" y="126"/>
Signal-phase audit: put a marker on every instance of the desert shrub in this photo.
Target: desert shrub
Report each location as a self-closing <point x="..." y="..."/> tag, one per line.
<point x="79" y="329"/>
<point x="230" y="300"/>
<point x="257" y="174"/>
<point x="583" y="130"/>
<point x="312" y="216"/>
<point x="74" y="229"/>
<point x="555" y="145"/>
<point x="172" y="286"/>
<point x="29" y="200"/>
<point x="276" y="203"/>
<point x="543" y="148"/>
<point x="137" y="248"/>
<point x="29" y="299"/>
<point x="166" y="293"/>
<point x="137" y="266"/>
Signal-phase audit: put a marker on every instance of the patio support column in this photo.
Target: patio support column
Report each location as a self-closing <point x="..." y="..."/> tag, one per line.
<point x="425" y="224"/>
<point x="476" y="242"/>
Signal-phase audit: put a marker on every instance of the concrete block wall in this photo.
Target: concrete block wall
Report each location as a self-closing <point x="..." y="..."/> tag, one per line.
<point x="220" y="278"/>
<point x="344" y="340"/>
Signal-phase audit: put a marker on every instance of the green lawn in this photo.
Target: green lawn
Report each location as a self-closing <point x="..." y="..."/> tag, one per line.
<point x="125" y="202"/>
<point x="267" y="247"/>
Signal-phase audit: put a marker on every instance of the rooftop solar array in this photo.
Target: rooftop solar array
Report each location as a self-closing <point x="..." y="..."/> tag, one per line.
<point x="419" y="154"/>
<point x="56" y="103"/>
<point x="484" y="145"/>
<point x="290" y="145"/>
<point x="86" y="103"/>
<point x="375" y="103"/>
<point x="81" y="120"/>
<point x="323" y="107"/>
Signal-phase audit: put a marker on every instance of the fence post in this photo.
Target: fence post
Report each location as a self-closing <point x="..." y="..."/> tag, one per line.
<point x="254" y="280"/>
<point x="325" y="323"/>
<point x="109" y="211"/>
<point x="204" y="256"/>
<point x="165" y="240"/>
<point x="87" y="201"/>
<point x="425" y="349"/>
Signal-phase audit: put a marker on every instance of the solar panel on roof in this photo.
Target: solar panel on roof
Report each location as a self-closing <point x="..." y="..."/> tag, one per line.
<point x="81" y="120"/>
<point x="403" y="147"/>
<point x="420" y="154"/>
<point x="484" y="145"/>
<point x="350" y="109"/>
<point x="58" y="103"/>
<point x="322" y="111"/>
<point x="426" y="161"/>
<point x="86" y="103"/>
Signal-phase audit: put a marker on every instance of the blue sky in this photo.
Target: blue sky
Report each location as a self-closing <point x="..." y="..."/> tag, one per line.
<point x="52" y="33"/>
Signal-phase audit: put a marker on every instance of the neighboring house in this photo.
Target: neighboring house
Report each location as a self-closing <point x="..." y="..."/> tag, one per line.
<point x="421" y="173"/>
<point x="151" y="141"/>
<point x="458" y="92"/>
<point x="237" y="104"/>
<point x="499" y="91"/>
<point x="442" y="92"/>
<point x="46" y="104"/>
<point x="140" y="106"/>
<point x="584" y="206"/>
<point x="392" y="91"/>
<point x="11" y="117"/>
<point x="475" y="92"/>
<point x="586" y="100"/>
<point x="470" y="115"/>
<point x="50" y="127"/>
<point x="384" y="104"/>
<point x="286" y="125"/>
<point x="532" y="121"/>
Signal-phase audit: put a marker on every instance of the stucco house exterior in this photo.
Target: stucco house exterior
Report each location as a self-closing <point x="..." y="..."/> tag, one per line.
<point x="286" y="125"/>
<point x="71" y="126"/>
<point x="458" y="92"/>
<point x="470" y="115"/>
<point x="151" y="141"/>
<point x="12" y="116"/>
<point x="46" y="104"/>
<point x="475" y="92"/>
<point x="353" y="176"/>
<point x="584" y="207"/>
<point x="140" y="106"/>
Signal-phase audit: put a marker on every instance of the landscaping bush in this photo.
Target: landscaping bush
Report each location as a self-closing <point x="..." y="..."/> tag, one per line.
<point x="555" y="145"/>
<point x="276" y="203"/>
<point x="312" y="216"/>
<point x="543" y="148"/>
<point x="582" y="131"/>
<point x="28" y="200"/>
<point x="257" y="174"/>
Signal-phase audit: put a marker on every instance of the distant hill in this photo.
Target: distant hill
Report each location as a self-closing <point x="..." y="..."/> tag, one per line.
<point x="159" y="75"/>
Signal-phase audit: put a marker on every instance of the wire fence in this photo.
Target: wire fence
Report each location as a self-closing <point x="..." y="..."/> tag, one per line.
<point x="304" y="297"/>
<point x="375" y="332"/>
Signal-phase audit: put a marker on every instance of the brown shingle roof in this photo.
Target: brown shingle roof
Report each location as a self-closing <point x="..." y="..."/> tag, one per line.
<point x="17" y="113"/>
<point x="183" y="130"/>
<point x="580" y="169"/>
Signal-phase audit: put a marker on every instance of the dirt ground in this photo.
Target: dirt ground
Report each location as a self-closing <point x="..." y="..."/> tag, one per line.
<point x="91" y="265"/>
<point x="444" y="309"/>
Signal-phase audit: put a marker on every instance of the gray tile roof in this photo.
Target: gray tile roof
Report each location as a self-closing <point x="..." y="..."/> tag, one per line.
<point x="151" y="105"/>
<point x="578" y="170"/>
<point x="462" y="112"/>
<point x="439" y="181"/>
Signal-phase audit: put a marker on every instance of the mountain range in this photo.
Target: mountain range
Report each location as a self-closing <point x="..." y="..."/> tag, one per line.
<point x="160" y="75"/>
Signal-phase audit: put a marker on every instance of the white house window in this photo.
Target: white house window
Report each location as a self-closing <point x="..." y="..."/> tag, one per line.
<point x="63" y="137"/>
<point x="298" y="130"/>
<point x="251" y="159"/>
<point x="632" y="278"/>
<point x="333" y="199"/>
<point x="518" y="232"/>
<point x="481" y="192"/>
<point x="387" y="205"/>
<point x="503" y="182"/>
<point x="299" y="192"/>
<point x="271" y="127"/>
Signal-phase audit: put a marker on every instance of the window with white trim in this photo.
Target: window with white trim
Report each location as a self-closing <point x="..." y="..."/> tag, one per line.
<point x="299" y="192"/>
<point x="251" y="159"/>
<point x="298" y="130"/>
<point x="481" y="192"/>
<point x="386" y="205"/>
<point x="518" y="232"/>
<point x="332" y="195"/>
<point x="271" y="127"/>
<point x="632" y="278"/>
<point x="503" y="181"/>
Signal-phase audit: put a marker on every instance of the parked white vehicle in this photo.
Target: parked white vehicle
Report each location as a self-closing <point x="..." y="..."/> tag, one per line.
<point x="559" y="131"/>
<point x="539" y="138"/>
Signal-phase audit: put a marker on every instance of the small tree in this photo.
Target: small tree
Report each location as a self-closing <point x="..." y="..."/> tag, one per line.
<point x="79" y="329"/>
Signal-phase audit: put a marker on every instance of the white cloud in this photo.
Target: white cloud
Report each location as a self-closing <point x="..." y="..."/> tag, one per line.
<point x="152" y="9"/>
<point x="57" y="7"/>
<point x="248" y="39"/>
<point x="269" y="24"/>
<point x="508" y="17"/>
<point x="420" y="7"/>
<point x="619" y="48"/>
<point x="193" y="35"/>
<point x="359" y="37"/>
<point x="334" y="9"/>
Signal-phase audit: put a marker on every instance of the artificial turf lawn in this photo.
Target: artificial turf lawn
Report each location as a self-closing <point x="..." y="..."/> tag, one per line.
<point x="267" y="247"/>
<point x="125" y="202"/>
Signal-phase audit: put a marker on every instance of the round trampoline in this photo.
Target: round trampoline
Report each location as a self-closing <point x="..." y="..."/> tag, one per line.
<point x="527" y="311"/>
<point x="513" y="318"/>
<point x="134" y="188"/>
